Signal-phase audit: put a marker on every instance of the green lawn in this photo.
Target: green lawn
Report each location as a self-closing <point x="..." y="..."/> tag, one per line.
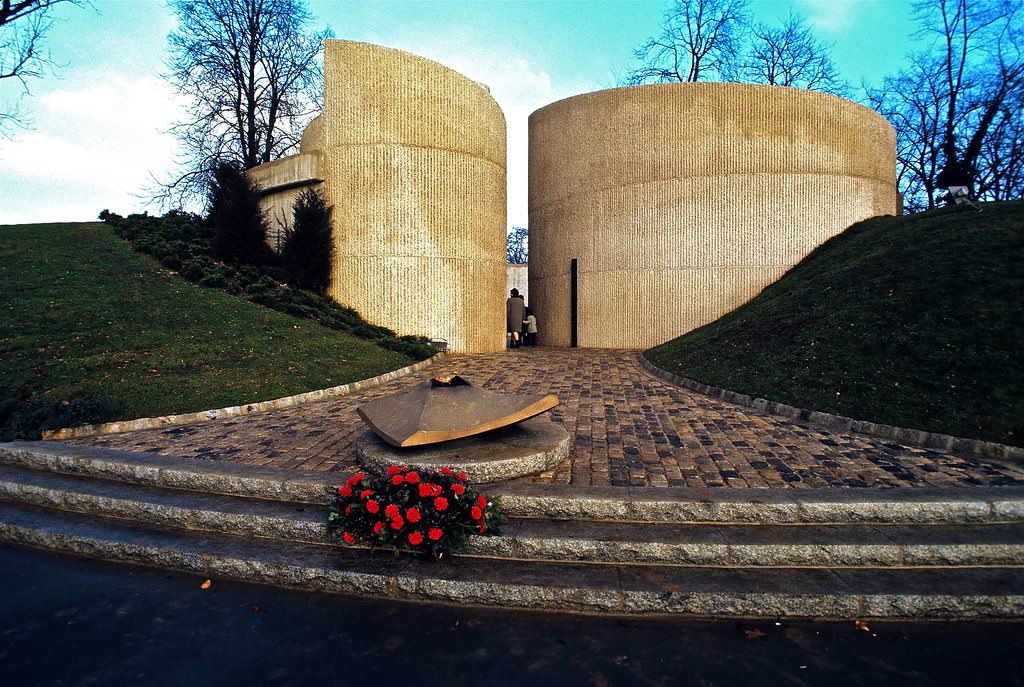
<point x="84" y="313"/>
<point x="915" y="321"/>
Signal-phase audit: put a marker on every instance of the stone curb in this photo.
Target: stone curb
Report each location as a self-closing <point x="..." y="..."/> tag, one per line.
<point x="840" y="423"/>
<point x="236" y="411"/>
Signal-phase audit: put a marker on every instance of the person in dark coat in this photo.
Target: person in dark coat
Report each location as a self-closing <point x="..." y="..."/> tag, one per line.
<point x="515" y="314"/>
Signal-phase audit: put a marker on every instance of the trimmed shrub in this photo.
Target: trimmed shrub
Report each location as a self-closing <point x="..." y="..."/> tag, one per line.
<point x="307" y="249"/>
<point x="239" y="225"/>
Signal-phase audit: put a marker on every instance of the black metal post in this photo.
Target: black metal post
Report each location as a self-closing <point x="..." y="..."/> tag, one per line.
<point x="573" y="302"/>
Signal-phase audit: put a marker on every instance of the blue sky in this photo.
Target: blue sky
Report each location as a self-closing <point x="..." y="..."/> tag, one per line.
<point x="99" y="125"/>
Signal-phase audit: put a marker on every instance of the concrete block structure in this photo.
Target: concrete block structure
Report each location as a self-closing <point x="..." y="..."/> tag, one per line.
<point x="518" y="277"/>
<point x="411" y="155"/>
<point x="656" y="209"/>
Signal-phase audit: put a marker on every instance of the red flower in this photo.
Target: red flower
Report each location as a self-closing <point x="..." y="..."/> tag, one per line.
<point x="481" y="501"/>
<point x="391" y="511"/>
<point x="393" y="469"/>
<point x="435" y="533"/>
<point x="373" y="506"/>
<point x="446" y="471"/>
<point x="416" y="538"/>
<point x="483" y="528"/>
<point x="462" y="477"/>
<point x="345" y="491"/>
<point x="377" y="527"/>
<point x="398" y="479"/>
<point x="476" y="513"/>
<point x="397" y="523"/>
<point x="366" y="494"/>
<point x="426" y="489"/>
<point x="412" y="477"/>
<point x="349" y="539"/>
<point x="437" y="490"/>
<point x="348" y="509"/>
<point x="458" y="489"/>
<point x="412" y="515"/>
<point x="441" y="503"/>
<point x="354" y="479"/>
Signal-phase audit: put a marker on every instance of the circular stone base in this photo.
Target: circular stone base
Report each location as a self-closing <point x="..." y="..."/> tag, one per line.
<point x="525" y="448"/>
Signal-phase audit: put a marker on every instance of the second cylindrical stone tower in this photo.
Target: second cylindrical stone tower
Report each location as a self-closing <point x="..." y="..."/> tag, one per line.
<point x="657" y="209"/>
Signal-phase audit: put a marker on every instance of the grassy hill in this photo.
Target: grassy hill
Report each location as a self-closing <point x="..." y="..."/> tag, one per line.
<point x="83" y="314"/>
<point x="915" y="321"/>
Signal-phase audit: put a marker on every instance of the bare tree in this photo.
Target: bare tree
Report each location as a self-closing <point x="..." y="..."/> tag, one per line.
<point x="982" y="66"/>
<point x="23" y="26"/>
<point x="957" y="107"/>
<point x="253" y="73"/>
<point x="1000" y="168"/>
<point x="790" y="55"/>
<point x="697" y="42"/>
<point x="517" y="245"/>
<point x="913" y="102"/>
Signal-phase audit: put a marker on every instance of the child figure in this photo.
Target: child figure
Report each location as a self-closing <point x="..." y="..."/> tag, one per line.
<point x="530" y="328"/>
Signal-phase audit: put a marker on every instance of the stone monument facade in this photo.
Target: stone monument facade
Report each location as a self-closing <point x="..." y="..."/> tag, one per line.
<point x="411" y="155"/>
<point x="656" y="209"/>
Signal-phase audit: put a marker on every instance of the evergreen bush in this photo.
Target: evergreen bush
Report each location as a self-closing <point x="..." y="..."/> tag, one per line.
<point x="239" y="225"/>
<point x="307" y="248"/>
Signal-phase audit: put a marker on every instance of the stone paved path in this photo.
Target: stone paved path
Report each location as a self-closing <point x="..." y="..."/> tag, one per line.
<point x="630" y="429"/>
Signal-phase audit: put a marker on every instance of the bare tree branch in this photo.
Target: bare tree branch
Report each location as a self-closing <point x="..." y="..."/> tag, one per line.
<point x="23" y="57"/>
<point x="697" y="42"/>
<point x="790" y="55"/>
<point x="253" y="73"/>
<point x="957" y="108"/>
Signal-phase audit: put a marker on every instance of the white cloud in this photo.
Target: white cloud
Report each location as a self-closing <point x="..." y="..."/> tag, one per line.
<point x="829" y="16"/>
<point x="91" y="147"/>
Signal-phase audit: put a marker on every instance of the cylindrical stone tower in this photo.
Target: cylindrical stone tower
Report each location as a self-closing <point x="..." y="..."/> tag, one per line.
<point x="414" y="164"/>
<point x="656" y="209"/>
<point x="411" y="155"/>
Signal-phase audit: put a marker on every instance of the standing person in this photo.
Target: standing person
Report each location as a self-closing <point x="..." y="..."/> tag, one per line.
<point x="531" y="328"/>
<point x="515" y="313"/>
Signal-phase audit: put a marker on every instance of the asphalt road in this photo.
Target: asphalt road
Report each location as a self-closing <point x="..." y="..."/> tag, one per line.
<point x="74" y="621"/>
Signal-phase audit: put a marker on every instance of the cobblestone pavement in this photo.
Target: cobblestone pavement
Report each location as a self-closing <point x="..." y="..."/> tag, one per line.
<point x="628" y="429"/>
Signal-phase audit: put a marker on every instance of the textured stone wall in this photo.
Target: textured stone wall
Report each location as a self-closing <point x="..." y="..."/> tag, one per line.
<point x="414" y="165"/>
<point x="411" y="156"/>
<point x="683" y="201"/>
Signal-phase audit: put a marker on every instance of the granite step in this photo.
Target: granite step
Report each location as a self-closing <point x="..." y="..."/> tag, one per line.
<point x="763" y="506"/>
<point x="641" y="543"/>
<point x="957" y="593"/>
